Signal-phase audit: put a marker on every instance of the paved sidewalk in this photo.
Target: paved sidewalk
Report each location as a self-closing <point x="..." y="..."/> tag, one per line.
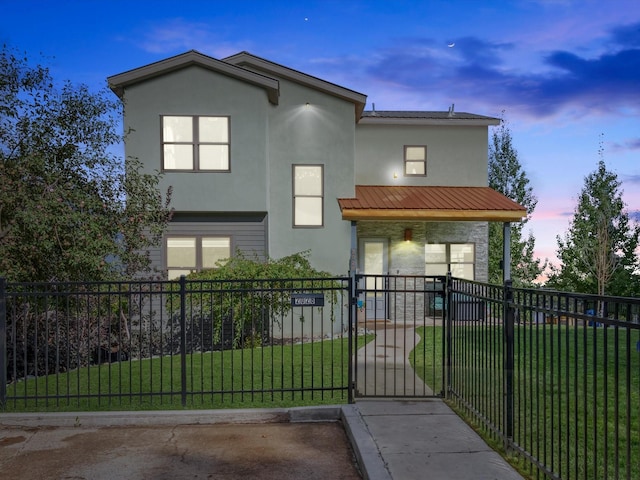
<point x="419" y="440"/>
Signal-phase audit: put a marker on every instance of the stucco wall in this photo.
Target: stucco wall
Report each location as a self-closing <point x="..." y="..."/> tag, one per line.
<point x="196" y="91"/>
<point x="321" y="133"/>
<point x="456" y="154"/>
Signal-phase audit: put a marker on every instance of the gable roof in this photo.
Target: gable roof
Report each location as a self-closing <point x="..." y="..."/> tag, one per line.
<point x="118" y="82"/>
<point x="375" y="202"/>
<point x="249" y="60"/>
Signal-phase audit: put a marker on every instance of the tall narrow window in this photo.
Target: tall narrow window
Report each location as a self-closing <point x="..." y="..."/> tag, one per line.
<point x="457" y="257"/>
<point x="415" y="160"/>
<point x="191" y="254"/>
<point x="195" y="143"/>
<point x="308" y="196"/>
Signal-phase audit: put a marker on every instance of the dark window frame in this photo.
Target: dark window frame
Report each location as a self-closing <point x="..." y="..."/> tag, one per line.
<point x="195" y="144"/>
<point x="406" y="161"/>
<point x="294" y="196"/>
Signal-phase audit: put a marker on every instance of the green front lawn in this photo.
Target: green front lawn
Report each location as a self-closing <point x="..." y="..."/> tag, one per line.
<point x="576" y="392"/>
<point x="277" y="376"/>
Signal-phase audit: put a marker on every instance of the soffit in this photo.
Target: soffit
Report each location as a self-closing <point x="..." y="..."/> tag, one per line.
<point x="427" y="203"/>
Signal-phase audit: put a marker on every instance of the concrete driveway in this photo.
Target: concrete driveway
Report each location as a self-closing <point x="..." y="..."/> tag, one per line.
<point x="171" y="445"/>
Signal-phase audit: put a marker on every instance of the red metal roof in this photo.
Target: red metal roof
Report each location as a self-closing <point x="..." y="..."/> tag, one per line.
<point x="375" y="202"/>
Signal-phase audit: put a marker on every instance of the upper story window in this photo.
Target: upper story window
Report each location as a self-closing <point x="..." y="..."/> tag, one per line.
<point x="192" y="254"/>
<point x="415" y="160"/>
<point x="308" y="196"/>
<point x="195" y="143"/>
<point x="458" y="257"/>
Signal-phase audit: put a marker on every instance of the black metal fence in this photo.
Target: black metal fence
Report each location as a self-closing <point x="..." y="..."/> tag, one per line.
<point x="554" y="376"/>
<point x="406" y="313"/>
<point x="174" y="344"/>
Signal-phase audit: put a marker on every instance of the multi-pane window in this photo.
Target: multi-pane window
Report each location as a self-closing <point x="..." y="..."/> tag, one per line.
<point x="195" y="143"/>
<point x="308" y="196"/>
<point x="457" y="257"/>
<point x="191" y="254"/>
<point x="415" y="160"/>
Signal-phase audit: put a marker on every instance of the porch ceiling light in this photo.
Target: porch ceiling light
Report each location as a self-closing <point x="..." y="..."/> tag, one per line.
<point x="408" y="234"/>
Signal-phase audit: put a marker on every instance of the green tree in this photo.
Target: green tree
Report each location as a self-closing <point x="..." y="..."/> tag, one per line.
<point x="70" y="208"/>
<point x="507" y="176"/>
<point x="598" y="252"/>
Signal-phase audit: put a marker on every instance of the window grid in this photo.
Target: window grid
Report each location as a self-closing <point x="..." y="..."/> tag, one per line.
<point x="219" y="147"/>
<point x="185" y="254"/>
<point x="459" y="258"/>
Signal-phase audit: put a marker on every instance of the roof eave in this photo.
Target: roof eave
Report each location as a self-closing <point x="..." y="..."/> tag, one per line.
<point x="246" y="59"/>
<point x="355" y="214"/>
<point x="119" y="82"/>
<point x="476" y="122"/>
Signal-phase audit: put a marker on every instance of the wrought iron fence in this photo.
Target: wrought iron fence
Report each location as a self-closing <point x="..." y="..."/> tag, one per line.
<point x="405" y="358"/>
<point x="553" y="375"/>
<point x="174" y="344"/>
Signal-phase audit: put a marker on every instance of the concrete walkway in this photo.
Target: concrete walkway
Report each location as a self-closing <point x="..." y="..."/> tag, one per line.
<point x="420" y="438"/>
<point x="383" y="367"/>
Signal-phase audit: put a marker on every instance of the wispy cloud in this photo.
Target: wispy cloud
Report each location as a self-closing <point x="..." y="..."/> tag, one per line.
<point x="629" y="145"/>
<point x="603" y="83"/>
<point x="178" y="35"/>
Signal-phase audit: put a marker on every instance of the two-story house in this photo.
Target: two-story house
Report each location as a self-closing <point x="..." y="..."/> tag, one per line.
<point x="266" y="159"/>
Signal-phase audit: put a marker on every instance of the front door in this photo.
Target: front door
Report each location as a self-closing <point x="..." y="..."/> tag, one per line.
<point x="374" y="261"/>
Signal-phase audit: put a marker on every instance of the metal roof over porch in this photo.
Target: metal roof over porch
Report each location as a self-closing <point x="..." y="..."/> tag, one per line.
<point x="430" y="203"/>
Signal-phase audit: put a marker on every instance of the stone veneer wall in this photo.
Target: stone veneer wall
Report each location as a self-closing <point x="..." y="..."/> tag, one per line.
<point x="407" y="258"/>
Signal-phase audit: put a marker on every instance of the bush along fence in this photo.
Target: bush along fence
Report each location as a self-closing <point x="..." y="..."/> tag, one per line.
<point x="174" y="344"/>
<point x="553" y="376"/>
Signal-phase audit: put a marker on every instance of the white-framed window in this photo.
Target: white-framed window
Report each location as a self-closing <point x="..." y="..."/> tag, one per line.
<point x="308" y="196"/>
<point x="415" y="160"/>
<point x="460" y="258"/>
<point x="187" y="254"/>
<point x="195" y="143"/>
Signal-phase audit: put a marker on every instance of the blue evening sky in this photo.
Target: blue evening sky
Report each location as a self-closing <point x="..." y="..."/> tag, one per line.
<point x="566" y="73"/>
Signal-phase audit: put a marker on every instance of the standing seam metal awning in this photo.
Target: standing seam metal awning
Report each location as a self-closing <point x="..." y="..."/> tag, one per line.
<point x="427" y="203"/>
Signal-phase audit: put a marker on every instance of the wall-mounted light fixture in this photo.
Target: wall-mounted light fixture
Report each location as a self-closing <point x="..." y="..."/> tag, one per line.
<point x="395" y="174"/>
<point x="408" y="234"/>
<point x="307" y="105"/>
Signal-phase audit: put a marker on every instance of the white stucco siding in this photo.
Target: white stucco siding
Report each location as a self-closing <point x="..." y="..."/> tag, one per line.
<point x="456" y="154"/>
<point x="196" y="91"/>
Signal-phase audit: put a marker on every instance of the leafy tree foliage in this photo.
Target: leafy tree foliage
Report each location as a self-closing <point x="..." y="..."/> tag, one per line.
<point x="598" y="252"/>
<point x="70" y="208"/>
<point x="507" y="176"/>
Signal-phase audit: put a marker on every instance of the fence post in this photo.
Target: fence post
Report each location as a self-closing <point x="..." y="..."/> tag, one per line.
<point x="3" y="342"/>
<point x="183" y="339"/>
<point x="446" y="305"/>
<point x="509" y="319"/>
<point x="351" y="337"/>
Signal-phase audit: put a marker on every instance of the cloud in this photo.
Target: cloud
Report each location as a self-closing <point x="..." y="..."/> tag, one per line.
<point x="476" y="69"/>
<point x="178" y="35"/>
<point x="632" y="179"/>
<point x="629" y="145"/>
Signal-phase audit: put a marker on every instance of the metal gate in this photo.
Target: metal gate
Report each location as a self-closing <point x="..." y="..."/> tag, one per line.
<point x="406" y="357"/>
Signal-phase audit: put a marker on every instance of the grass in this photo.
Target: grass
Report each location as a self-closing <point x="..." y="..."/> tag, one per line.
<point x="576" y="393"/>
<point x="312" y="373"/>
